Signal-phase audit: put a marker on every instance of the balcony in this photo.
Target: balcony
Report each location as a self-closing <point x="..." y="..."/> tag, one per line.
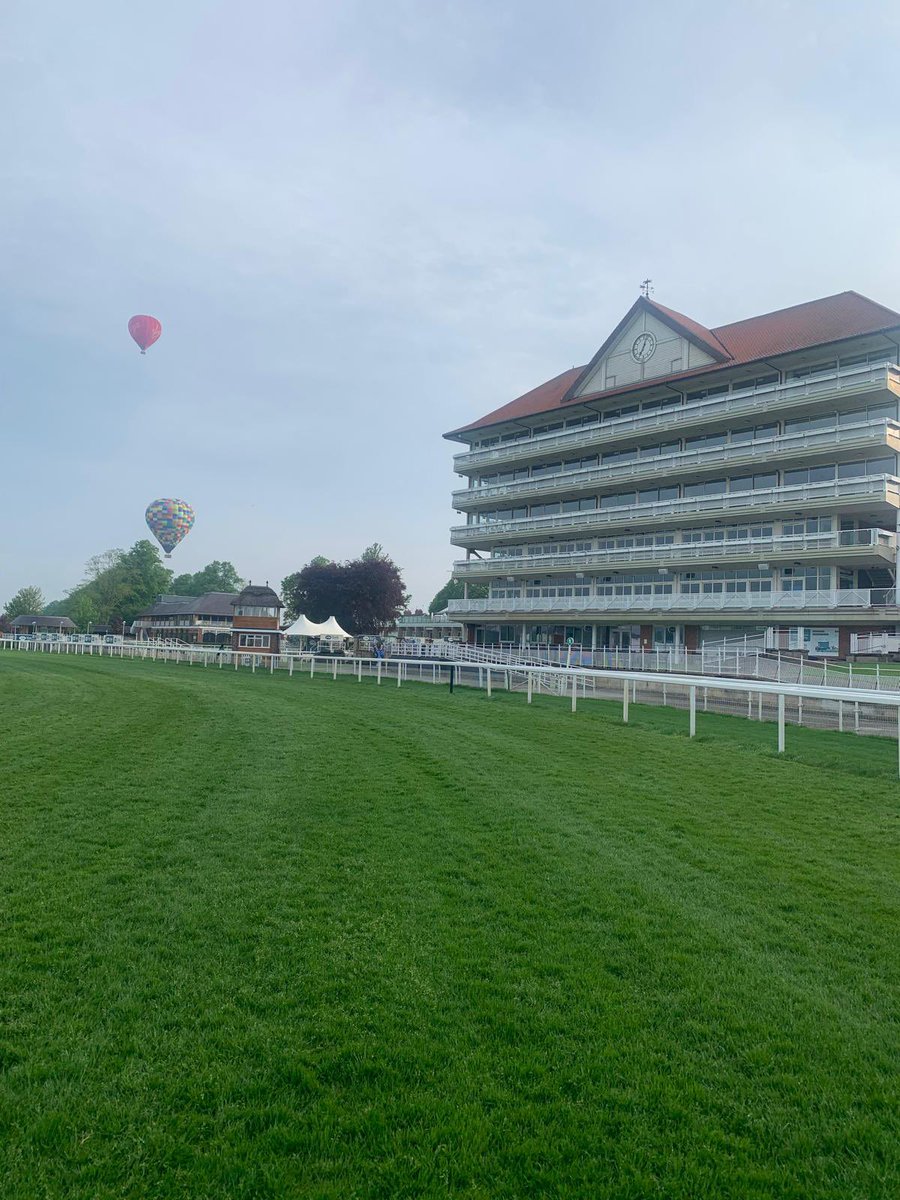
<point x="811" y="393"/>
<point x="861" y="601"/>
<point x="863" y="546"/>
<point x="784" y="447"/>
<point x="814" y="498"/>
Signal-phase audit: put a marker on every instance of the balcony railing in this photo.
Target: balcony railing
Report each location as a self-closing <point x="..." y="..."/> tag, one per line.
<point x="873" y="489"/>
<point x="852" y="542"/>
<point x="750" y="454"/>
<point x="796" y="393"/>
<point x="686" y="602"/>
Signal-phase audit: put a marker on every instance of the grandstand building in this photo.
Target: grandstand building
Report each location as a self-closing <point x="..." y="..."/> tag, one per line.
<point x="692" y="484"/>
<point x="199" y="620"/>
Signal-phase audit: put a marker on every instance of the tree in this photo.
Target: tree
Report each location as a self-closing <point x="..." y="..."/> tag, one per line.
<point x="374" y="553"/>
<point x="214" y="577"/>
<point x="453" y="590"/>
<point x="82" y="611"/>
<point x="26" y="601"/>
<point x="118" y="584"/>
<point x="365" y="595"/>
<point x="144" y="578"/>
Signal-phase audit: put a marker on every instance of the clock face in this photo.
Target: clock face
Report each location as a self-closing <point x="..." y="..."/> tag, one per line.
<point x="642" y="347"/>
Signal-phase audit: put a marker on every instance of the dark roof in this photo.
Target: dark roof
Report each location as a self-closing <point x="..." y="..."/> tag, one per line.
<point x="258" y="596"/>
<point x="42" y="622"/>
<point x="210" y="604"/>
<point x="801" y="327"/>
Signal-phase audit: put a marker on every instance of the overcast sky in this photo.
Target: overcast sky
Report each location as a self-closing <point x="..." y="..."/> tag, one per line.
<point x="363" y="224"/>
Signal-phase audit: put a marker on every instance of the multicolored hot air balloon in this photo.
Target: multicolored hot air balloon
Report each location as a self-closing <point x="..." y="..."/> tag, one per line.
<point x="145" y="331"/>
<point x="169" y="522"/>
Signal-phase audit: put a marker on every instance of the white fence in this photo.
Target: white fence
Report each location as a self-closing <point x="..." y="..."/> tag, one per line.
<point x="732" y="661"/>
<point x="861" y="711"/>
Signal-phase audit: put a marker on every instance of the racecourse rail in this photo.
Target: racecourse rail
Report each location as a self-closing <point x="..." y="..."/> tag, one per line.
<point x="857" y="710"/>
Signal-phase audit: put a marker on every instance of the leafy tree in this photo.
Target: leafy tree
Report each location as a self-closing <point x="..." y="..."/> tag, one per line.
<point x="215" y="577"/>
<point x="82" y="610"/>
<point x="453" y="590"/>
<point x="118" y="584"/>
<point x="365" y="595"/>
<point x="144" y="578"/>
<point x="26" y="601"/>
<point x="374" y="553"/>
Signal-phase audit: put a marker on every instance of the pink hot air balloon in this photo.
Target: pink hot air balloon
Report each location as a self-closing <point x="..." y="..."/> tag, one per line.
<point x="145" y="331"/>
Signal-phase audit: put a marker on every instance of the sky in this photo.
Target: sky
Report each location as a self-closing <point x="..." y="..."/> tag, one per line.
<point x="363" y="225"/>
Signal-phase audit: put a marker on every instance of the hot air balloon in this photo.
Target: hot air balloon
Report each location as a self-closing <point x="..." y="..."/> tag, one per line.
<point x="169" y="522"/>
<point x="145" y="331"/>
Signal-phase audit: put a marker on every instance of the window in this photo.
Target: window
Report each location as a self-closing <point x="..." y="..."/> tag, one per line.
<point x="619" y="456"/>
<point x="805" y="579"/>
<point x="539" y="470"/>
<point x="662" y="448"/>
<point x="253" y="640"/>
<point x="251" y="610"/>
<point x="813" y="369"/>
<point x="704" y="393"/>
<point x="709" y="487"/>
<point x="760" y="381"/>
<point x="618" y="500"/>
<point x="654" y="495"/>
<point x="705" y="441"/>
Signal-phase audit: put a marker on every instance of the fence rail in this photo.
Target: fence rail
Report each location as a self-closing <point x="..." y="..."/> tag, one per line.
<point x="861" y="711"/>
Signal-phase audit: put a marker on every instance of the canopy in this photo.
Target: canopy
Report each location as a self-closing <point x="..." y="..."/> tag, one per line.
<point x="332" y="629"/>
<point x="303" y="627"/>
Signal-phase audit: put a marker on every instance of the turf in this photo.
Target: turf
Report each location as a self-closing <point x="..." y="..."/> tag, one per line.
<point x="272" y="937"/>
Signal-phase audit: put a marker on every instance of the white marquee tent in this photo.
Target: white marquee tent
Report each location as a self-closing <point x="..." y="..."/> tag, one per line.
<point x="303" y="627"/>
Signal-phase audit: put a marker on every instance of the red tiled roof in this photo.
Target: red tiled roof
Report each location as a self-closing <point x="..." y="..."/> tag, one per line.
<point x="815" y="323"/>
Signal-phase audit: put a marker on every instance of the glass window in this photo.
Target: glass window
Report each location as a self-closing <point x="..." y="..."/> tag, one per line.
<point x="881" y="466"/>
<point x="705" y="441"/>
<point x="854" y="470"/>
<point x="821" y="474"/>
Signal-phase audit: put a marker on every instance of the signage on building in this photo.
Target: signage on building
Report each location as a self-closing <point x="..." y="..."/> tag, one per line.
<point x="814" y="640"/>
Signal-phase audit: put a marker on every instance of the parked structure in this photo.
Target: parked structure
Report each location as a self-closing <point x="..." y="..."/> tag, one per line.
<point x="206" y="619"/>
<point x="257" y="620"/>
<point x="40" y="626"/>
<point x="692" y="482"/>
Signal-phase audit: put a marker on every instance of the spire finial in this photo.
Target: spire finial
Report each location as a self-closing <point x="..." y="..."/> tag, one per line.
<point x="647" y="288"/>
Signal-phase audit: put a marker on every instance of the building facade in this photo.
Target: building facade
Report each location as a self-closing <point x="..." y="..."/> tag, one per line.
<point x="257" y="621"/>
<point x="693" y="484"/>
<point x="199" y="620"/>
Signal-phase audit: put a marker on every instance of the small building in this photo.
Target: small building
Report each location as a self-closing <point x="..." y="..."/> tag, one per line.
<point x="41" y="626"/>
<point x="256" y="624"/>
<point x="429" y="627"/>
<point x="199" y="620"/>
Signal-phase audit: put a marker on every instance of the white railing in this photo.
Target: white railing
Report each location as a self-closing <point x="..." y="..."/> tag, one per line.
<point x="864" y="710"/>
<point x="742" y="657"/>
<point x="680" y="552"/>
<point x="686" y="602"/>
<point x="874" y="643"/>
<point x="686" y="461"/>
<point x="876" y="489"/>
<point x="768" y="399"/>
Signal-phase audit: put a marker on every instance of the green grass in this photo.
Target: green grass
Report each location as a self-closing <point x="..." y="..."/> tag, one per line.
<point x="271" y="937"/>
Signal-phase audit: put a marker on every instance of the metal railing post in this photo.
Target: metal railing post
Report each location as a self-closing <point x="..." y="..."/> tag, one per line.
<point x="693" y="712"/>
<point x="574" y="692"/>
<point x="488" y="675"/>
<point x="530" y="686"/>
<point x="626" y="696"/>
<point x="781" y="722"/>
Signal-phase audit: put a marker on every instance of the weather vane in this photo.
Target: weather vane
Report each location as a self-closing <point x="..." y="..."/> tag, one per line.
<point x="646" y="288"/>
